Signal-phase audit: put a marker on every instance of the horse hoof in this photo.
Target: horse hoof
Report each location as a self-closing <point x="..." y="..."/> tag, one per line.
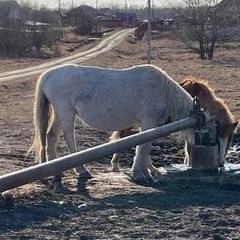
<point x="81" y="185"/>
<point x="58" y="187"/>
<point x="221" y="165"/>
<point x="150" y="180"/>
<point x="62" y="189"/>
<point x="85" y="175"/>
<point x="143" y="180"/>
<point x="221" y="168"/>
<point x="140" y="181"/>
<point x="115" y="169"/>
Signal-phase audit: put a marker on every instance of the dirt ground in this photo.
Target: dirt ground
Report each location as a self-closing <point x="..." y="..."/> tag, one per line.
<point x="111" y="206"/>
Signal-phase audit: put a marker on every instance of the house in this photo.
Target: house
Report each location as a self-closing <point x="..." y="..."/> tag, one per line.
<point x="53" y="18"/>
<point x="106" y="12"/>
<point x="129" y="17"/>
<point x="126" y="19"/>
<point x="228" y="12"/>
<point x="229" y="6"/>
<point x="119" y="19"/>
<point x="10" y="14"/>
<point x="80" y="14"/>
<point x="44" y="27"/>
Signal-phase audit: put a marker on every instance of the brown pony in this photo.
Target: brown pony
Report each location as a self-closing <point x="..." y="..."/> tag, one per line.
<point x="209" y="102"/>
<point x="216" y="107"/>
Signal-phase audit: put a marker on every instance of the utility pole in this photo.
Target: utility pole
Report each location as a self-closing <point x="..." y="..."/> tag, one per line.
<point x="59" y="5"/>
<point x="126" y="9"/>
<point x="152" y="9"/>
<point x="97" y="24"/>
<point x="149" y="32"/>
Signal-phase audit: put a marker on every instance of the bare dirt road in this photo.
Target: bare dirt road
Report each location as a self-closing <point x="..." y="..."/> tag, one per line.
<point x="103" y="46"/>
<point x="110" y="205"/>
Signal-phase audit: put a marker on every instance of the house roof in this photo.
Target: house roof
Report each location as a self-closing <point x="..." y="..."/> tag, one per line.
<point x="126" y="16"/>
<point x="106" y="11"/>
<point x="10" y="10"/>
<point x="83" y="10"/>
<point x="229" y="7"/>
<point x="46" y="16"/>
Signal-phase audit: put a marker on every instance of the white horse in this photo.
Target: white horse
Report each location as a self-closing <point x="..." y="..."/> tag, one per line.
<point x="108" y="100"/>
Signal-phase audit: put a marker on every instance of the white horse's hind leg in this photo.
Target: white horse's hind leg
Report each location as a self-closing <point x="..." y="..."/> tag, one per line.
<point x="68" y="131"/>
<point x="42" y="154"/>
<point x="52" y="137"/>
<point x="115" y="162"/>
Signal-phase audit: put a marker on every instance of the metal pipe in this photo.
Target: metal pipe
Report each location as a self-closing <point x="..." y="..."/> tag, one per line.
<point x="56" y="166"/>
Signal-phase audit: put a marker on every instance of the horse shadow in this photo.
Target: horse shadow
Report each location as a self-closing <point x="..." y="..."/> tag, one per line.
<point x="173" y="194"/>
<point x="39" y="209"/>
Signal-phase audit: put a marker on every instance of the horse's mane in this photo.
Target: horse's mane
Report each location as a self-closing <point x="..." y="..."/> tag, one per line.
<point x="208" y="99"/>
<point x="180" y="102"/>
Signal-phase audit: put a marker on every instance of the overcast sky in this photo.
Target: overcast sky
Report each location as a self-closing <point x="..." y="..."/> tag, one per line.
<point x="93" y="3"/>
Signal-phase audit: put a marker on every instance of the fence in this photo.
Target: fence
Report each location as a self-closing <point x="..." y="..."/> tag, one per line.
<point x="14" y="42"/>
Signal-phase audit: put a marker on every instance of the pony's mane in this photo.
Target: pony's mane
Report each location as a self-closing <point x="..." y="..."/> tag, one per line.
<point x="204" y="85"/>
<point x="206" y="95"/>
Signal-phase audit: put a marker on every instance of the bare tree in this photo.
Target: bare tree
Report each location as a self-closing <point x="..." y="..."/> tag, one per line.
<point x="200" y="23"/>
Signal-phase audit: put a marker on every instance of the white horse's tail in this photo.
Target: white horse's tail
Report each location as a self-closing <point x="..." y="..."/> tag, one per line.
<point x="41" y="116"/>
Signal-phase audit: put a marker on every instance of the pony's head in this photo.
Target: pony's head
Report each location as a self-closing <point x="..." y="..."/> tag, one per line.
<point x="225" y="134"/>
<point x="226" y="124"/>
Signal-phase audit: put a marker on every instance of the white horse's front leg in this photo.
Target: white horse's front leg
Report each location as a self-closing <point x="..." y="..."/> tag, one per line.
<point x="153" y="170"/>
<point x="141" y="163"/>
<point x="222" y="151"/>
